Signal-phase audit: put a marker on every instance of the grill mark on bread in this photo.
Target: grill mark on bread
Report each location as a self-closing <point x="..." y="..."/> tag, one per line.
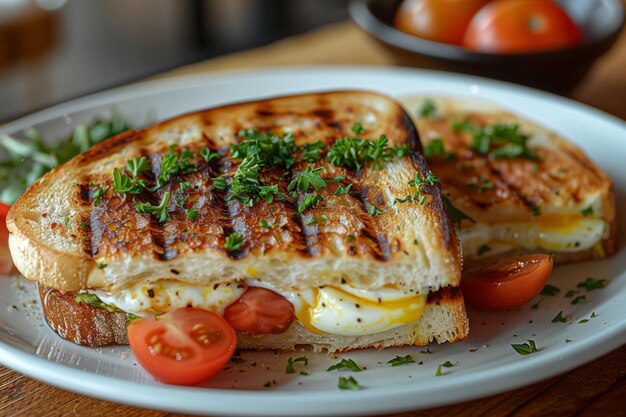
<point x="511" y="187"/>
<point x="371" y="231"/>
<point x="90" y="246"/>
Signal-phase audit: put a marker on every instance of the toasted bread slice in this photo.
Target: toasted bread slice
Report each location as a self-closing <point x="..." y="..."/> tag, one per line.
<point x="72" y="230"/>
<point x="557" y="201"/>
<point x="444" y="319"/>
<point x="59" y="236"/>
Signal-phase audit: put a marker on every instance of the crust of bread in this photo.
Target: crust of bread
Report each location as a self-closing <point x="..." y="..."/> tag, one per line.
<point x="518" y="184"/>
<point x="444" y="320"/>
<point x="58" y="237"/>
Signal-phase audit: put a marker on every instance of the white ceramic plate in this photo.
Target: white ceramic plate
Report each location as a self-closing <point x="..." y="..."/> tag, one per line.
<point x="484" y="364"/>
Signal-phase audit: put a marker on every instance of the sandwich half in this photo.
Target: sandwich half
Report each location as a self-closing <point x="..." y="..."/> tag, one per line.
<point x="516" y="186"/>
<point x="323" y="200"/>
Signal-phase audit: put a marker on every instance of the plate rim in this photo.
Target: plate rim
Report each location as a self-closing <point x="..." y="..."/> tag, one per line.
<point x="108" y="388"/>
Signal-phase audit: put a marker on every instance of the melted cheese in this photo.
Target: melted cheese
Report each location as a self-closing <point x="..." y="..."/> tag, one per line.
<point x="551" y="234"/>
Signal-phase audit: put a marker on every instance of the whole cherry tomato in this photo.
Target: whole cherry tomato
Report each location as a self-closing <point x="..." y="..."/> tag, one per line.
<point x="517" y="26"/>
<point x="437" y="20"/>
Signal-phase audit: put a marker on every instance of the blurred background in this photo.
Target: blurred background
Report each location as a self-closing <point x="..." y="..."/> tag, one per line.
<point x="55" y="50"/>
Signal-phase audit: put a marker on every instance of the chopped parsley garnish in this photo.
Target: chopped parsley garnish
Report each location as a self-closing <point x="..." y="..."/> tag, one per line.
<point x="122" y="183"/>
<point x="309" y="176"/>
<point x="309" y="202"/>
<point x="487" y="185"/>
<point x="98" y="194"/>
<point x="264" y="224"/>
<point x="219" y="183"/>
<point x="341" y="190"/>
<point x="345" y="364"/>
<point x="591" y="284"/>
<point x="174" y="163"/>
<point x="373" y="211"/>
<point x="462" y="126"/>
<point x="426" y="352"/>
<point x="234" y="241"/>
<point x="348" y="383"/>
<point x="312" y="152"/>
<point x="446" y="364"/>
<point x="500" y="140"/>
<point x="484" y="248"/>
<point x="550" y="290"/>
<point x="83" y="225"/>
<point x="559" y="318"/>
<point x="570" y="293"/>
<point x="183" y="185"/>
<point x="579" y="299"/>
<point x="436" y="148"/>
<point x="536" y="210"/>
<point x="420" y="183"/>
<point x="269" y="149"/>
<point x="159" y="211"/>
<point x="587" y="211"/>
<point x="526" y="348"/>
<point x="427" y="109"/>
<point x="338" y="178"/>
<point x="355" y="153"/>
<point x="401" y="360"/>
<point x="291" y="362"/>
<point x="456" y="215"/>
<point x="192" y="214"/>
<point x="357" y="128"/>
<point x="208" y="155"/>
<point x="102" y="265"/>
<point x="137" y="166"/>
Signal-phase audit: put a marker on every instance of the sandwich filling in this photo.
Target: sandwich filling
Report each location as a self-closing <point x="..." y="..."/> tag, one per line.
<point x="341" y="310"/>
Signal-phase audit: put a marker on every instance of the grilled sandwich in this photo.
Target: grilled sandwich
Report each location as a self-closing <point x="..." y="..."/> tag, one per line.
<point x="515" y="186"/>
<point x="297" y="195"/>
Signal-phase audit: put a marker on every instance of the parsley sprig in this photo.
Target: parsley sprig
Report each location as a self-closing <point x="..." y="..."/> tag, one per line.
<point x="525" y="348"/>
<point x="401" y="360"/>
<point x="355" y="153"/>
<point x="160" y="211"/>
<point x="345" y="364"/>
<point x="234" y="241"/>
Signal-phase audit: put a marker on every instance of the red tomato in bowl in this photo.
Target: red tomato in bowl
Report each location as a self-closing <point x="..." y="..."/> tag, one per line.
<point x="6" y="264"/>
<point x="184" y="347"/>
<point x="437" y="20"/>
<point x="260" y="311"/>
<point x="506" y="283"/>
<point x="519" y="26"/>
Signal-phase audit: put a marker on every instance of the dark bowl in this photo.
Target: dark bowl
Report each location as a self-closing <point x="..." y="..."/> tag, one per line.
<point x="557" y="70"/>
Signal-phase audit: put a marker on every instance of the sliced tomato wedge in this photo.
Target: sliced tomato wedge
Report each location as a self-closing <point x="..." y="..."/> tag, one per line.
<point x="183" y="347"/>
<point x="506" y="283"/>
<point x="6" y="264"/>
<point x="260" y="311"/>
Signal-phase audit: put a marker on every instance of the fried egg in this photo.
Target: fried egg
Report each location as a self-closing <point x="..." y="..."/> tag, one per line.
<point x="572" y="235"/>
<point x="341" y="310"/>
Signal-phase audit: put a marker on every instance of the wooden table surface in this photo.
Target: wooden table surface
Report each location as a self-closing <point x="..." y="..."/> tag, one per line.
<point x="595" y="389"/>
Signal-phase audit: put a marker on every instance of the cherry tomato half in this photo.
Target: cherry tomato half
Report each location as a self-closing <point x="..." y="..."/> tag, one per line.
<point x="506" y="283"/>
<point x="516" y="26"/>
<point x="260" y="311"/>
<point x="184" y="347"/>
<point x="6" y="264"/>
<point x="437" y="20"/>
